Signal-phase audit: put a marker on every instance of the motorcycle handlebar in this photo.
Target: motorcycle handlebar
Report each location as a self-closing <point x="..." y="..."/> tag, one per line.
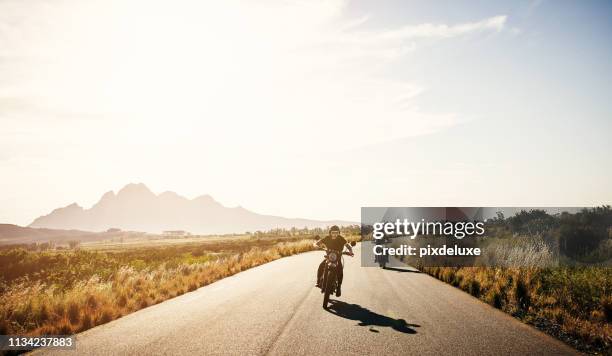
<point x="344" y="253"/>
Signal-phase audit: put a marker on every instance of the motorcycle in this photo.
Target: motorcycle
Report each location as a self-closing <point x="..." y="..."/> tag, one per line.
<point x="329" y="280"/>
<point x="382" y="260"/>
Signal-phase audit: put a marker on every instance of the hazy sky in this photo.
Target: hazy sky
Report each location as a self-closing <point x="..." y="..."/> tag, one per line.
<point x="306" y="108"/>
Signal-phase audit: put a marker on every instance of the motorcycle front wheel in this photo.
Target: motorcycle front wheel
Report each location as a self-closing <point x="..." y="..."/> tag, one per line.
<point x="328" y="287"/>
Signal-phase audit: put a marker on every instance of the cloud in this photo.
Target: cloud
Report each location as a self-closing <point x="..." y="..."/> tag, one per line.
<point x="273" y="68"/>
<point x="442" y="31"/>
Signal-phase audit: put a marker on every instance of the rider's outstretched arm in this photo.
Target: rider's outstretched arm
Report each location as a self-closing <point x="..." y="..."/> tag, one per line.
<point x="349" y="247"/>
<point x="318" y="242"/>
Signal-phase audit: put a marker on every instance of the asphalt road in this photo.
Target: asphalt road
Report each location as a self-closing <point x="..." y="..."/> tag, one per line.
<point x="275" y="309"/>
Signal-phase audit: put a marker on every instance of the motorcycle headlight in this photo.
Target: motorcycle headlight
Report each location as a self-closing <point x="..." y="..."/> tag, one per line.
<point x="332" y="257"/>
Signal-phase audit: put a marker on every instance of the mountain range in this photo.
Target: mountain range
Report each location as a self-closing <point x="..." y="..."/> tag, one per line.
<point x="136" y="208"/>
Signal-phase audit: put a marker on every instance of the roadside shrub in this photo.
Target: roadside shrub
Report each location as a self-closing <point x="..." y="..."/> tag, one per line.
<point x="4" y="328"/>
<point x="494" y="298"/>
<point x="91" y="302"/>
<point x="606" y="306"/>
<point x="86" y="323"/>
<point x="122" y="300"/>
<point x="63" y="328"/>
<point x="105" y="316"/>
<point x="42" y="315"/>
<point x="521" y="295"/>
<point x="456" y="282"/>
<point x="474" y="288"/>
<point x="73" y="312"/>
<point x="448" y="276"/>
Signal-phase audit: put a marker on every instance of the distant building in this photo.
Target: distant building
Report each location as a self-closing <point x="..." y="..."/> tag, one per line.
<point x="175" y="233"/>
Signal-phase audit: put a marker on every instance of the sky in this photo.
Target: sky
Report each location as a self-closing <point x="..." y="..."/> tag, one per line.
<point x="306" y="109"/>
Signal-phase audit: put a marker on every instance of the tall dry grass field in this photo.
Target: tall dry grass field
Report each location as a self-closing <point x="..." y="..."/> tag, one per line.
<point x="65" y="292"/>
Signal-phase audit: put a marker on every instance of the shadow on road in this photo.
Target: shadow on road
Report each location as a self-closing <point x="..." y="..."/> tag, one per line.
<point x="367" y="317"/>
<point x="396" y="269"/>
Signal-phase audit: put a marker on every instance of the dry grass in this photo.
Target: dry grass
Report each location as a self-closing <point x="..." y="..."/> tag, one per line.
<point x="514" y="252"/>
<point x="573" y="304"/>
<point x="36" y="307"/>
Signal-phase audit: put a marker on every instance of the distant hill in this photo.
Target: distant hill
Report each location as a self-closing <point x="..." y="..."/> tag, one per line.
<point x="10" y="234"/>
<point x="136" y="208"/>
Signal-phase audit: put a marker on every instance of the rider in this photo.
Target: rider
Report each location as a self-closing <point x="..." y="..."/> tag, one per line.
<point x="335" y="242"/>
<point x="382" y="241"/>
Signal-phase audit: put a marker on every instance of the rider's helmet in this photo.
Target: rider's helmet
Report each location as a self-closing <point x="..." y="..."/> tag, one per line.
<point x="334" y="228"/>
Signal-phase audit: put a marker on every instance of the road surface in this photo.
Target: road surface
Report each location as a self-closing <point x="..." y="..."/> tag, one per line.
<point x="275" y="309"/>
